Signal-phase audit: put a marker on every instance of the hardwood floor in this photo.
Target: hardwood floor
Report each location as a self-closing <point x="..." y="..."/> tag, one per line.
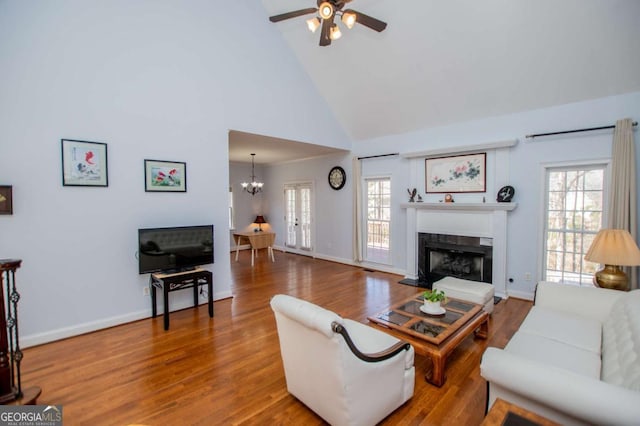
<point x="227" y="370"/>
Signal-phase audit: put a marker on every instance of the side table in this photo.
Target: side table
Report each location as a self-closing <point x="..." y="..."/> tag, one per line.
<point x="180" y="281"/>
<point x="508" y="414"/>
<point x="257" y="240"/>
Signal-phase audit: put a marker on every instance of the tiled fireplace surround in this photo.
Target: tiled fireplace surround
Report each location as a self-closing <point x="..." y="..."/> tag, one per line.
<point x="483" y="220"/>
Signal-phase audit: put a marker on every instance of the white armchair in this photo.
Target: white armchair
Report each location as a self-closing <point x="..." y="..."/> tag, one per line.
<point x="346" y="372"/>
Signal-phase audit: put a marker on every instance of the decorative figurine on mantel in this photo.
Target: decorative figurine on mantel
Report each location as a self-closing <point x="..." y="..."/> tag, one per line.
<point x="412" y="194"/>
<point x="448" y="198"/>
<point x="419" y="198"/>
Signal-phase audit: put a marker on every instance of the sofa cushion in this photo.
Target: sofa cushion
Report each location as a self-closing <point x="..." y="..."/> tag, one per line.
<point x="583" y="333"/>
<point x="621" y="343"/>
<point x="552" y="352"/>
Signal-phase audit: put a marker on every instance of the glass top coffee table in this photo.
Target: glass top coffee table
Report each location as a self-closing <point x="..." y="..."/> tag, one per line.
<point x="433" y="336"/>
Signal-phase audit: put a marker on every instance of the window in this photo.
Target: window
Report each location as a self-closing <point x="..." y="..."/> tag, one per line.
<point x="378" y="220"/>
<point x="575" y="204"/>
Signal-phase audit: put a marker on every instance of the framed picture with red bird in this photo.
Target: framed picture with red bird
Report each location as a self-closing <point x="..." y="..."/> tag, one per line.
<point x="84" y="163"/>
<point x="165" y="176"/>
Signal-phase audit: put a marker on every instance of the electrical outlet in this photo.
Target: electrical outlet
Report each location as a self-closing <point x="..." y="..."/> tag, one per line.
<point x="527" y="276"/>
<point x="145" y="291"/>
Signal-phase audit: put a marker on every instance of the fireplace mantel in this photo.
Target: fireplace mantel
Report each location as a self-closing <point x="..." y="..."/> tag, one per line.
<point x="484" y="220"/>
<point x="461" y="206"/>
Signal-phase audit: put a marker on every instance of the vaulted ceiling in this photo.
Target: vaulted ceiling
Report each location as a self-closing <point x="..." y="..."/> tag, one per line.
<point x="446" y="61"/>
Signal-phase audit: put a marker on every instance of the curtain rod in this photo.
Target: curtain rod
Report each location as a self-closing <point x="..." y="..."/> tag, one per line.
<point x="376" y="156"/>
<point x="635" y="123"/>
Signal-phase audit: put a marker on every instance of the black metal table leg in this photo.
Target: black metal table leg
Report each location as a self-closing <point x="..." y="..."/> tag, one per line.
<point x="210" y="294"/>
<point x="154" y="308"/>
<point x="165" y="290"/>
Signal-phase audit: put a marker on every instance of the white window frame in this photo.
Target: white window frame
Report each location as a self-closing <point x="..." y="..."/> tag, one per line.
<point x="365" y="219"/>
<point x="544" y="190"/>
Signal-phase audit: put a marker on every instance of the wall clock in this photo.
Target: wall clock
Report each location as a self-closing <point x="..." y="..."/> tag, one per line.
<point x="505" y="195"/>
<point x="337" y="178"/>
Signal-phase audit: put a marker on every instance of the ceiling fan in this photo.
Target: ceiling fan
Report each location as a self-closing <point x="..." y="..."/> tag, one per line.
<point x="327" y="11"/>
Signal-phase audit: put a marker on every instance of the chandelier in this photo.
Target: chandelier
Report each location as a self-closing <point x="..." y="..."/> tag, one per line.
<point x="254" y="187"/>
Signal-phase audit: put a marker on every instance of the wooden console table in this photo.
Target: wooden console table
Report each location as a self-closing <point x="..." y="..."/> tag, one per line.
<point x="179" y="281"/>
<point x="257" y="240"/>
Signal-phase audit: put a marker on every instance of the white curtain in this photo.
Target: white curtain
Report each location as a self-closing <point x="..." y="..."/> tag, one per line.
<point x="357" y="210"/>
<point x="623" y="196"/>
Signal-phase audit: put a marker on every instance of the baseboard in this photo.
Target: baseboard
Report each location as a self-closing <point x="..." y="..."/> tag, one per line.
<point x="521" y="294"/>
<point x="365" y="265"/>
<point x="88" y="327"/>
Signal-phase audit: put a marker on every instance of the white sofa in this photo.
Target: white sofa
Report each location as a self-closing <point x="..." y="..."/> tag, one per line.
<point x="575" y="359"/>
<point x="345" y="371"/>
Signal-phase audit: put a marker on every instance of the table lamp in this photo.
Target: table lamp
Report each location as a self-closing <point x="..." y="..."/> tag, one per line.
<point x="613" y="248"/>
<point x="259" y="220"/>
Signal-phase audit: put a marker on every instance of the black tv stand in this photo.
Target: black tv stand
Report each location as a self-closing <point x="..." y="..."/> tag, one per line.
<point x="169" y="282"/>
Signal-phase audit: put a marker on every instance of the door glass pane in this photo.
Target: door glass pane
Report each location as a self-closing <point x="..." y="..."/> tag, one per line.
<point x="378" y="222"/>
<point x="305" y="218"/>
<point x="299" y="216"/>
<point x="290" y="216"/>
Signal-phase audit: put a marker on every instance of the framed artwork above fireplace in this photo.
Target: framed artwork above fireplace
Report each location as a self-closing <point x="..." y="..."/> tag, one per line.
<point x="459" y="173"/>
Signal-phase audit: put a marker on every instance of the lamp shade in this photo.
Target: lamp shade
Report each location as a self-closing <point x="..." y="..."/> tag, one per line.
<point x="259" y="220"/>
<point x="614" y="247"/>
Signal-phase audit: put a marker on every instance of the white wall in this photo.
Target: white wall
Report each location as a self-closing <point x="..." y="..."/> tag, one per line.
<point x="524" y="162"/>
<point x="154" y="79"/>
<point x="333" y="221"/>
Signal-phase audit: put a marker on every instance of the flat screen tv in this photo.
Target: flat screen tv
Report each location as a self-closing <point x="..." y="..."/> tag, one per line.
<point x="174" y="249"/>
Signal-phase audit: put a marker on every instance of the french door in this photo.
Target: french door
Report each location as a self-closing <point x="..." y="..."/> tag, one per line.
<point x="298" y="208"/>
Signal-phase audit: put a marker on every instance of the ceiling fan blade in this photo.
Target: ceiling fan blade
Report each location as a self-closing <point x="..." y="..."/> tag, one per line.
<point x="325" y="40"/>
<point x="294" y="14"/>
<point x="368" y="21"/>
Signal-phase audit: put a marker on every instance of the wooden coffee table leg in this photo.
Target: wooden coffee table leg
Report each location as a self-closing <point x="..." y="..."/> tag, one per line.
<point x="435" y="376"/>
<point x="483" y="331"/>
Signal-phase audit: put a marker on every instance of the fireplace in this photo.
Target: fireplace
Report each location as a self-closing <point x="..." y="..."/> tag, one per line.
<point x="441" y="255"/>
<point x="486" y="223"/>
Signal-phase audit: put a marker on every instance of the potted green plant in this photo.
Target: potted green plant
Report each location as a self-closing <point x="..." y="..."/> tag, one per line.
<point x="432" y="299"/>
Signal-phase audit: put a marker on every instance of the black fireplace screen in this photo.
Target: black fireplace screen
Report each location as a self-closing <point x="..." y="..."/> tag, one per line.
<point x="441" y="255"/>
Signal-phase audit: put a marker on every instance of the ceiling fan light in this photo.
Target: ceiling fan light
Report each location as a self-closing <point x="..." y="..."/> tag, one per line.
<point x="349" y="19"/>
<point x="325" y="10"/>
<point x="334" y="32"/>
<point x="313" y="24"/>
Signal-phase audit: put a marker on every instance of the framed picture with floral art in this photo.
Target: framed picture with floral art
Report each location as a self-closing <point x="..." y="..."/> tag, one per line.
<point x="165" y="176"/>
<point x="459" y="173"/>
<point x="84" y="163"/>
